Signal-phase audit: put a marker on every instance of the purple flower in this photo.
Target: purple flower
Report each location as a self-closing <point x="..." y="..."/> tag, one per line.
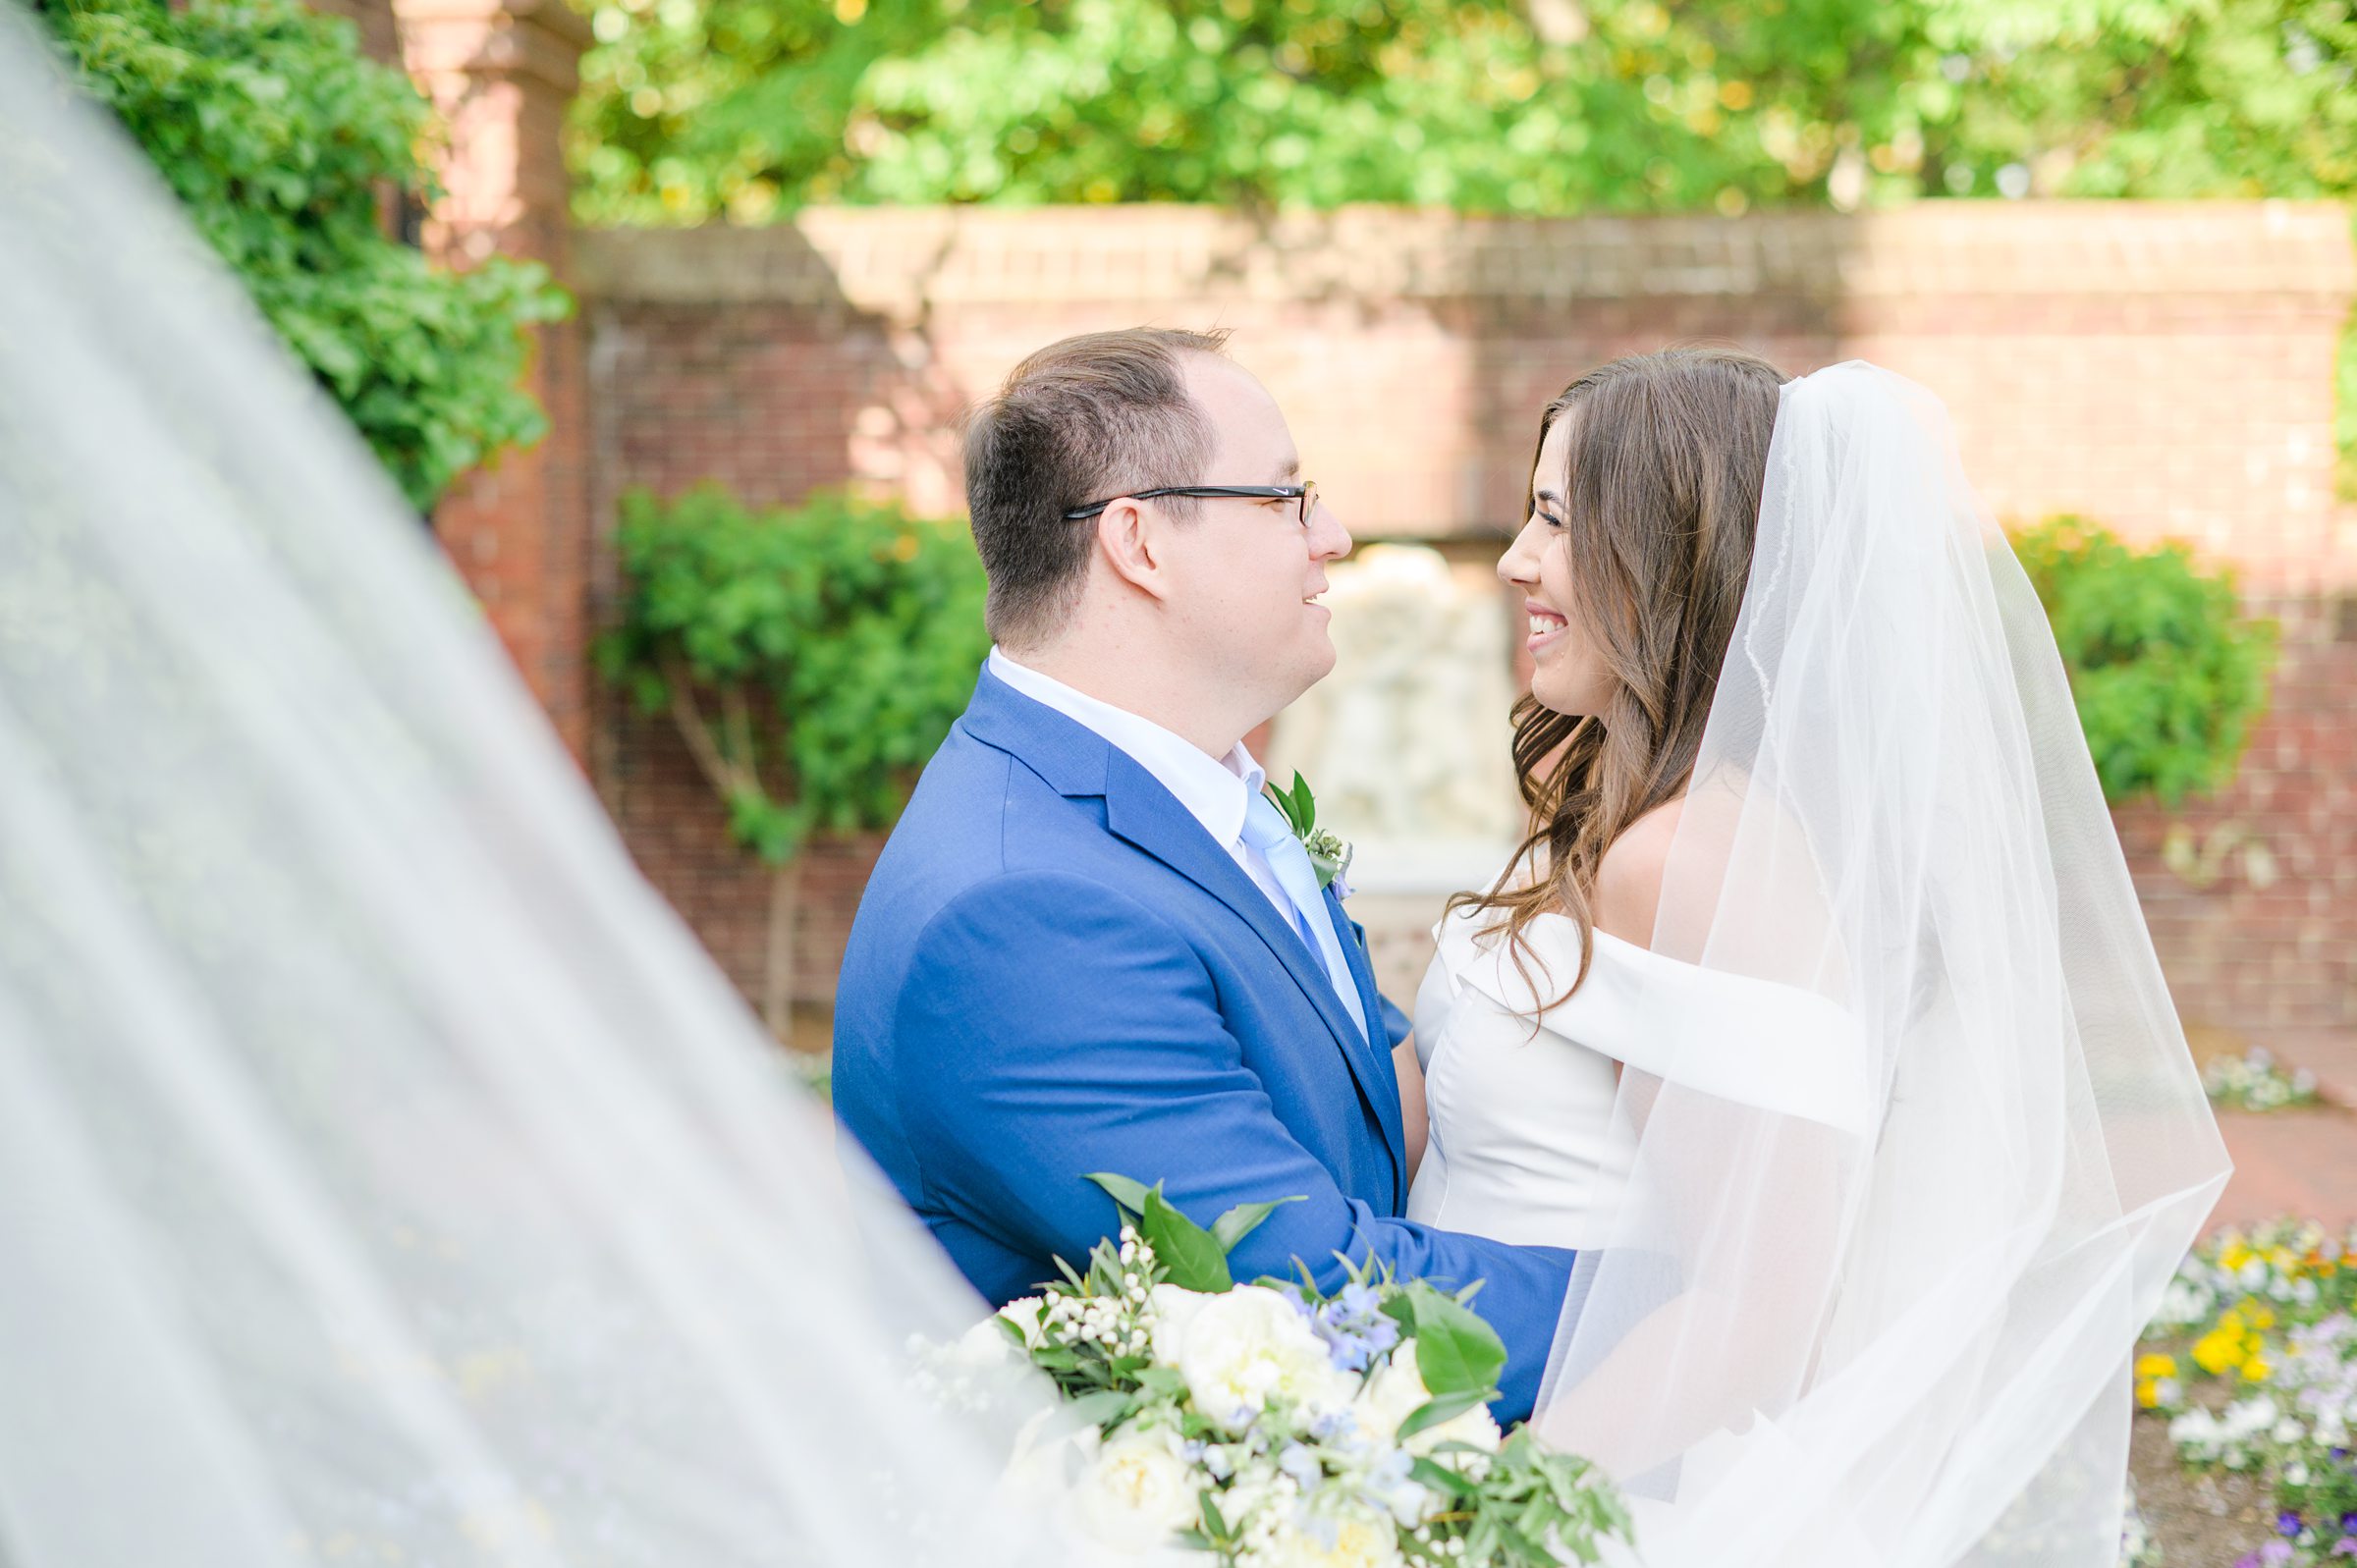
<point x="2287" y="1524"/>
<point x="2275" y="1551"/>
<point x="1353" y="1326"/>
<point x="2345" y="1547"/>
<point x="1302" y="1465"/>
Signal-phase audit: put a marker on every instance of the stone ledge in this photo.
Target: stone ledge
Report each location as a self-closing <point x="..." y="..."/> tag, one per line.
<point x="897" y="261"/>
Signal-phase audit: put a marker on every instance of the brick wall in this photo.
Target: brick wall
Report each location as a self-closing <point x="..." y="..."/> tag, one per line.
<point x="2165" y="369"/>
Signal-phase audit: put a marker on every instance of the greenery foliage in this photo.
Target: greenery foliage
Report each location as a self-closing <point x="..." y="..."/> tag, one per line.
<point x="2168" y="675"/>
<point x="695" y="109"/>
<point x="823" y="650"/>
<point x="812" y="656"/>
<point x="281" y="141"/>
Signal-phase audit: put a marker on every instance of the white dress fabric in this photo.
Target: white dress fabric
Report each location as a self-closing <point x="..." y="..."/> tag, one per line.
<point x="1524" y="1143"/>
<point x="1908" y="1141"/>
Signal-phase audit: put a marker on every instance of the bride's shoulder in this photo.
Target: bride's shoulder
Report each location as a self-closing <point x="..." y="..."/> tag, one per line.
<point x="1629" y="878"/>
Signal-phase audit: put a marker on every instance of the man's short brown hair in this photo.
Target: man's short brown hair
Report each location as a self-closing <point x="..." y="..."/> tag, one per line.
<point x="1092" y="416"/>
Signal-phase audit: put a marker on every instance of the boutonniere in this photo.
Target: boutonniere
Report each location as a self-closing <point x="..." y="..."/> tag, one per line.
<point x="1328" y="854"/>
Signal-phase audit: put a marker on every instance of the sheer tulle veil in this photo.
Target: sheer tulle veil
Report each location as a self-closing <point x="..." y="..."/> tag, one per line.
<point x="385" y="1175"/>
<point x="1886" y="1319"/>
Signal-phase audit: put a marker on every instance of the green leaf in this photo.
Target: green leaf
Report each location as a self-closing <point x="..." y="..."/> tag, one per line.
<point x="1214" y="1525"/>
<point x="1100" y="1409"/>
<point x="1128" y="1193"/>
<point x="1306" y="806"/>
<point x="1443" y="1480"/>
<point x="1440" y="1408"/>
<point x="1188" y="1252"/>
<point x="1244" y="1218"/>
<point x="1456" y="1351"/>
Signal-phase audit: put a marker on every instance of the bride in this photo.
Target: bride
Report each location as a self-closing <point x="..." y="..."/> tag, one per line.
<point x="1816" y="1011"/>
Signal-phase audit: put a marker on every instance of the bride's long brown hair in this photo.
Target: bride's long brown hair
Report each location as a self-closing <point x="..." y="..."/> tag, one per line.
<point x="1667" y="458"/>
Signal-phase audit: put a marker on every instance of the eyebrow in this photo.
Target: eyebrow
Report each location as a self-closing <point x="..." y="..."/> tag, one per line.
<point x="1548" y="496"/>
<point x="1291" y="469"/>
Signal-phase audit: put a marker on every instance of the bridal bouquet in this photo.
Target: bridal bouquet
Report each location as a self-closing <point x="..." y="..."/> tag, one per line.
<point x="1271" y="1426"/>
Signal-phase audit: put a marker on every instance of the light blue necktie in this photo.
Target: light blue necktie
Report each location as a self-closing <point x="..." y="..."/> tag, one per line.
<point x="1266" y="830"/>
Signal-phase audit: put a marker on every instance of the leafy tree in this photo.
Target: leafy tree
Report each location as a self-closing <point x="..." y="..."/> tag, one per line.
<point x="281" y="139"/>
<point x="2168" y="674"/>
<point x="813" y="658"/>
<point x="695" y="109"/>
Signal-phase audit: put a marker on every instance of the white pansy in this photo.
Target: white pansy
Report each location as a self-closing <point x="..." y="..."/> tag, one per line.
<point x="1396" y="1391"/>
<point x="1136" y="1492"/>
<point x="1241" y="1349"/>
<point x="2247" y="1417"/>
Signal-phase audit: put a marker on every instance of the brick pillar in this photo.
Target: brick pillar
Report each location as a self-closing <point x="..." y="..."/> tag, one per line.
<point x="380" y="35"/>
<point x="501" y="72"/>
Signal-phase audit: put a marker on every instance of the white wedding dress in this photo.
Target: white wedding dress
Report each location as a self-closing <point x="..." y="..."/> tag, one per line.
<point x="1877" y="1153"/>
<point x="1524" y="1144"/>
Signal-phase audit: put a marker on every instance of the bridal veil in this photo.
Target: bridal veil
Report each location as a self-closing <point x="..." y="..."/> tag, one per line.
<point x="1882" y="1312"/>
<point x="385" y="1175"/>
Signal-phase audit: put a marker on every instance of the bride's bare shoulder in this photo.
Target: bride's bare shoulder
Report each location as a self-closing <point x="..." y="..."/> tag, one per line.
<point x="1629" y="878"/>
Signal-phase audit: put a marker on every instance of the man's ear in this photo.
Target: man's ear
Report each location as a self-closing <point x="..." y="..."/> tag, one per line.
<point x="1133" y="539"/>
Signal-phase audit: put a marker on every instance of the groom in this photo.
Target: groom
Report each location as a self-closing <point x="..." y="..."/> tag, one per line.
<point x="1091" y="943"/>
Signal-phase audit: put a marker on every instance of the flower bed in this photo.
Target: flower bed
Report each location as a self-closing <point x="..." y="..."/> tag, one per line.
<point x="2254" y="1364"/>
<point x="2257" y="1082"/>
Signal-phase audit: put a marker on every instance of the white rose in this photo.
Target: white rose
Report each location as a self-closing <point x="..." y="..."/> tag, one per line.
<point x="1040" y="1474"/>
<point x="1351" y="1540"/>
<point x="984" y="1347"/>
<point x="1135" y="1493"/>
<point x="1025" y="1313"/>
<point x="1172" y="1309"/>
<point x="1242" y="1348"/>
<point x="1396" y="1391"/>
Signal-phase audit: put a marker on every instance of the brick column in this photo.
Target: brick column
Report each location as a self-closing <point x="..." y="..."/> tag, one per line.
<point x="501" y="72"/>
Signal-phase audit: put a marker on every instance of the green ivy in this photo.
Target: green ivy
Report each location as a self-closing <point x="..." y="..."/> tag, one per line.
<point x="812" y="657"/>
<point x="826" y="648"/>
<point x="281" y="141"/>
<point x="2168" y="675"/>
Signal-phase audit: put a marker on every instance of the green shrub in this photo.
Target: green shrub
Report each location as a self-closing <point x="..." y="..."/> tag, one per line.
<point x="2168" y="675"/>
<point x="813" y="658"/>
<point x="280" y="139"/>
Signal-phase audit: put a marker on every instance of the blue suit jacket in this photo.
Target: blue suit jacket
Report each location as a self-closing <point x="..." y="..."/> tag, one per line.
<point x="1056" y="970"/>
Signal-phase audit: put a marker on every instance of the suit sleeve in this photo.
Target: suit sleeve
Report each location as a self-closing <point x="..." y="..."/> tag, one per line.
<point x="1051" y="1027"/>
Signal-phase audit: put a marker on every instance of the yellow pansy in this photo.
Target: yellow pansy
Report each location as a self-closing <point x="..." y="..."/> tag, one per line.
<point x="2218" y="1352"/>
<point x="2156" y="1365"/>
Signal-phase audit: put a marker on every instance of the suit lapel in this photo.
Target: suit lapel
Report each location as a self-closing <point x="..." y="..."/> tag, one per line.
<point x="1140" y="811"/>
<point x="1077" y="762"/>
<point x="1370" y="1003"/>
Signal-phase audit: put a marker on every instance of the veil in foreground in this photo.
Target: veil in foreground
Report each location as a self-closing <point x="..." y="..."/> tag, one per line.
<point x="1879" y="1264"/>
<point x="386" y="1177"/>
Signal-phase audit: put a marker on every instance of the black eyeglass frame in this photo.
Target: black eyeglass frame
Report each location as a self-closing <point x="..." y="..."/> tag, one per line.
<point x="1305" y="492"/>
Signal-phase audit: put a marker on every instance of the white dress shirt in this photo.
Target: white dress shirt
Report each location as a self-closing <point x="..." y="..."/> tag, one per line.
<point x="1215" y="790"/>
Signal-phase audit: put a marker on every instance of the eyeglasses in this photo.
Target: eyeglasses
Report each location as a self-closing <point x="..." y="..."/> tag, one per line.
<point x="1306" y="493"/>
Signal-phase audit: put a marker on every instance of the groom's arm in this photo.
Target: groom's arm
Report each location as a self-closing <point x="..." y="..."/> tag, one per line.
<point x="1051" y="1026"/>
